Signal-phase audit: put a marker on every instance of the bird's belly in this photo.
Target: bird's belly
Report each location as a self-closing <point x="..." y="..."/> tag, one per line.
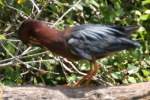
<point x="98" y="56"/>
<point x="66" y="54"/>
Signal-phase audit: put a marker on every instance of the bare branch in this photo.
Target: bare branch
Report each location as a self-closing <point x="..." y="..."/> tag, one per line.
<point x="66" y="13"/>
<point x="35" y="5"/>
<point x="27" y="65"/>
<point x="21" y="12"/>
<point x="74" y="67"/>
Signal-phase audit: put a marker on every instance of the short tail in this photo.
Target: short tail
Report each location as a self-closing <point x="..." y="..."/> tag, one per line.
<point x="130" y="29"/>
<point x="130" y="43"/>
<point x="136" y="44"/>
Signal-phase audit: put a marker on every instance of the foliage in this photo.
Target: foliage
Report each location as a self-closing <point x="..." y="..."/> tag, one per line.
<point x="24" y="65"/>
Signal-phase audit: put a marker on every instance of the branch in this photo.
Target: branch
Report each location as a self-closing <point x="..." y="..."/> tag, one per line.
<point x="21" y="12"/>
<point x="35" y="5"/>
<point x="65" y="13"/>
<point x="140" y="91"/>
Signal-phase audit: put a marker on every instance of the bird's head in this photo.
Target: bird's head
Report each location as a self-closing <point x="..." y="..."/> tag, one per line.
<point x="36" y="32"/>
<point x="27" y="32"/>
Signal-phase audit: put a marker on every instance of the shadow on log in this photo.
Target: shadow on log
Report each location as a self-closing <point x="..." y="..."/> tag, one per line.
<point x="140" y="91"/>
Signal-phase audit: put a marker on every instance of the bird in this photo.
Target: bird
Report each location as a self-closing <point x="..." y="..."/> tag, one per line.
<point x="80" y="42"/>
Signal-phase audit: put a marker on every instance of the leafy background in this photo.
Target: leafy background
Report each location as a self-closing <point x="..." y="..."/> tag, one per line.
<point x="21" y="65"/>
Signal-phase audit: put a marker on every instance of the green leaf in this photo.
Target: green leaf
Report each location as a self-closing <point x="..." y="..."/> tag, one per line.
<point x="35" y="80"/>
<point x="146" y="72"/>
<point x="145" y="2"/>
<point x="137" y="12"/>
<point x="72" y="78"/>
<point x="78" y="6"/>
<point x="132" y="79"/>
<point x="145" y="17"/>
<point x="117" y="75"/>
<point x="10" y="49"/>
<point x="2" y="37"/>
<point x="2" y="2"/>
<point x="21" y="1"/>
<point x="132" y="69"/>
<point x="147" y="11"/>
<point x="93" y="2"/>
<point x="148" y="78"/>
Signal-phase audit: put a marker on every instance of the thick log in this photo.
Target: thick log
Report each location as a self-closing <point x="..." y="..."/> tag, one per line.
<point x="140" y="91"/>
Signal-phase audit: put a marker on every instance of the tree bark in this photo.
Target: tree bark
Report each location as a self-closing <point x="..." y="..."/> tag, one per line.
<point x="140" y="91"/>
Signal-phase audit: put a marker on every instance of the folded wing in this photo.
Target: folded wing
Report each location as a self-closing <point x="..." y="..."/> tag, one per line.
<point x="88" y="41"/>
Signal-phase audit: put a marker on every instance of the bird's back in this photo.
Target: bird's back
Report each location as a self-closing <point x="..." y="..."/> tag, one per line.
<point x="89" y="41"/>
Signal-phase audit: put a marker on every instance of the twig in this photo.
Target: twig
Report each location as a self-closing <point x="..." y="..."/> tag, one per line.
<point x="63" y="65"/>
<point x="101" y="81"/>
<point x="74" y="67"/>
<point x="66" y="13"/>
<point x="65" y="74"/>
<point x="18" y="49"/>
<point x="21" y="12"/>
<point x="26" y="51"/>
<point x="22" y="57"/>
<point x="6" y="64"/>
<point x="24" y="73"/>
<point x="13" y="40"/>
<point x="25" y="63"/>
<point x="28" y="66"/>
<point x="13" y="45"/>
<point x="35" y="5"/>
<point x="38" y="61"/>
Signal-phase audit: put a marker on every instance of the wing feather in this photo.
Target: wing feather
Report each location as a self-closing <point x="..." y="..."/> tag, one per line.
<point x="88" y="41"/>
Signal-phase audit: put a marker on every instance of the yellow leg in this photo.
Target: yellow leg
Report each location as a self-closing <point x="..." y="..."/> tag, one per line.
<point x="93" y="73"/>
<point x="90" y="74"/>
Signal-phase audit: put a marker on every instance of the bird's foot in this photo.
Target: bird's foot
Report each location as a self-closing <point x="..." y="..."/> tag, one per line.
<point x="84" y="81"/>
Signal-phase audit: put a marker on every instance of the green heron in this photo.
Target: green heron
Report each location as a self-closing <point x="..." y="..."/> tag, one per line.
<point x="87" y="41"/>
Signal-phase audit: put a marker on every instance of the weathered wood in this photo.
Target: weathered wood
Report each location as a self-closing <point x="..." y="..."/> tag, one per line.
<point x="140" y="91"/>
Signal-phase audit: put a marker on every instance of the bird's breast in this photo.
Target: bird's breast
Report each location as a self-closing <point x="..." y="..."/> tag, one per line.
<point x="62" y="49"/>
